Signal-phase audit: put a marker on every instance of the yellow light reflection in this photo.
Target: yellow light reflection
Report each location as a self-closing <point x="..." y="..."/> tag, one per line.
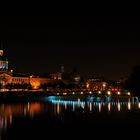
<point x="109" y="93"/>
<point x="100" y="107"/>
<point x="58" y="108"/>
<point x="90" y="107"/>
<point x="118" y="93"/>
<point x="119" y="106"/>
<point x="109" y="107"/>
<point x="129" y="106"/>
<point x="65" y="93"/>
<point x="128" y="93"/>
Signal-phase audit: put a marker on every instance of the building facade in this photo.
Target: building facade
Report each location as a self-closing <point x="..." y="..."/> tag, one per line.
<point x="96" y="84"/>
<point x="9" y="77"/>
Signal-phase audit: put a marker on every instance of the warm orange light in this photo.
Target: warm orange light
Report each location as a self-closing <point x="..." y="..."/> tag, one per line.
<point x="35" y="82"/>
<point x="87" y="85"/>
<point x="35" y="107"/>
<point x="104" y="85"/>
<point x="35" y="87"/>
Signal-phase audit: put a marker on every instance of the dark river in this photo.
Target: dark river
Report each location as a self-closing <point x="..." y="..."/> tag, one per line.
<point x="54" y="117"/>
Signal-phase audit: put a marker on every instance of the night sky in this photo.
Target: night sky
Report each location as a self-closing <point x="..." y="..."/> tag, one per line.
<point x="107" y="46"/>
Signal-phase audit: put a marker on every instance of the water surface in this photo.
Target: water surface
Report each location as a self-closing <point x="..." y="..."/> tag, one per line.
<point x="58" y="116"/>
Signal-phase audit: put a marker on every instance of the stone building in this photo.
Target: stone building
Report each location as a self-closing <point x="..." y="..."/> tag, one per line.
<point x="9" y="77"/>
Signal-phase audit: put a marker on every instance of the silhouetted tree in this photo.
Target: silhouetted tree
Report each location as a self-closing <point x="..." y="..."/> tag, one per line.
<point x="133" y="82"/>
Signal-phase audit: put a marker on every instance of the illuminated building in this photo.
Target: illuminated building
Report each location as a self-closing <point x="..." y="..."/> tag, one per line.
<point x="3" y="61"/>
<point x="96" y="84"/>
<point x="9" y="77"/>
<point x="56" y="76"/>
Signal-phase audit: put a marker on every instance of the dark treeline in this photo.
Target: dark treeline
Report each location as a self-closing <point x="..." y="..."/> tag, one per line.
<point x="133" y="82"/>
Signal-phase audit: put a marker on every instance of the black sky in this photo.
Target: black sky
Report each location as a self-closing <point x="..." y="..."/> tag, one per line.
<point x="106" y="46"/>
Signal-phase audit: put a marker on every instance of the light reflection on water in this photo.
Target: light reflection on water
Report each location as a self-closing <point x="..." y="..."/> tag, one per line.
<point x="56" y="107"/>
<point x="111" y="106"/>
<point x="119" y="106"/>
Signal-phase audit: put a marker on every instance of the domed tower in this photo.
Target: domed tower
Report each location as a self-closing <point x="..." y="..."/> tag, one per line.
<point x="3" y="60"/>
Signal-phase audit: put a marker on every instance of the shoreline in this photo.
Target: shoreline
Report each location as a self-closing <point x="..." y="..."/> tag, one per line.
<point x="25" y="96"/>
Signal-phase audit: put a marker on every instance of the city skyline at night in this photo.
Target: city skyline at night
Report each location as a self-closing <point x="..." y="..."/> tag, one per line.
<point x="69" y="76"/>
<point x="97" y="45"/>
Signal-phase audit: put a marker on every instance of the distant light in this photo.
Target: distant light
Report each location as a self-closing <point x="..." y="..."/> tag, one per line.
<point x="73" y="93"/>
<point x="116" y="89"/>
<point x="128" y="93"/>
<point x="104" y="85"/>
<point x="90" y="92"/>
<point x="87" y="85"/>
<point x="57" y="93"/>
<point x="118" y="93"/>
<point x="99" y="92"/>
<point x="65" y="93"/>
<point x="113" y="89"/>
<point x="109" y="93"/>
<point x="81" y="92"/>
<point x="35" y="87"/>
<point x="139" y="105"/>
